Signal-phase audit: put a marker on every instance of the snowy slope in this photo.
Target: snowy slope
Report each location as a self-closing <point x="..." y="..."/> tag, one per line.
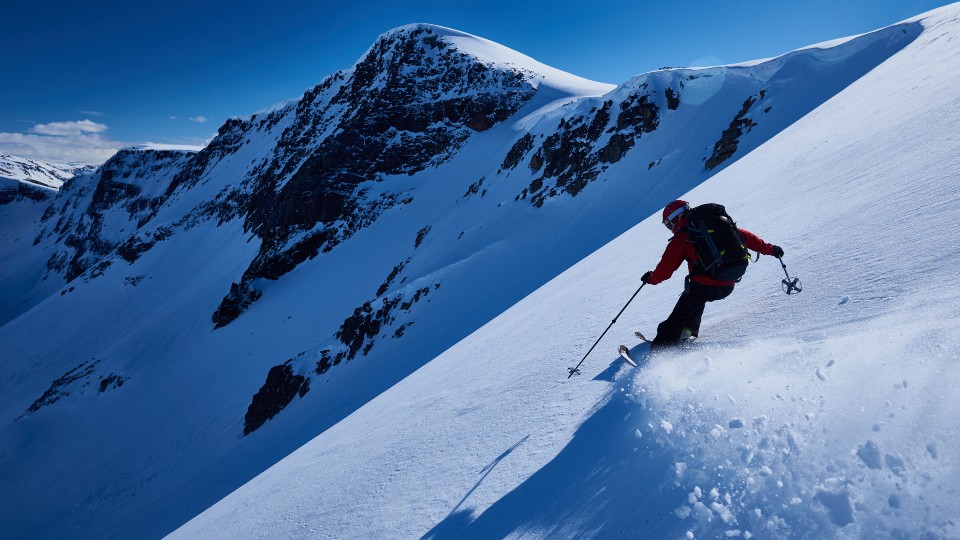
<point x="39" y="173"/>
<point x="199" y="316"/>
<point x="827" y="414"/>
<point x="27" y="187"/>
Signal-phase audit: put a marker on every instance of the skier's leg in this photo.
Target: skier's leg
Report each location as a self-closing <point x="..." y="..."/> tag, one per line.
<point x="668" y="332"/>
<point x="709" y="293"/>
<point x="693" y="323"/>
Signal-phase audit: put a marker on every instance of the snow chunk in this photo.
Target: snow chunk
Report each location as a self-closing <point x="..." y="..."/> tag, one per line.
<point x="869" y="453"/>
<point x="701" y="512"/>
<point x="667" y="426"/>
<point x="838" y="506"/>
<point x="896" y="464"/>
<point x="725" y="514"/>
<point x="682" y="512"/>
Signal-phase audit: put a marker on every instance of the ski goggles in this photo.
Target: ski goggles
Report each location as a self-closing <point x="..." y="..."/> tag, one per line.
<point x="674" y="216"/>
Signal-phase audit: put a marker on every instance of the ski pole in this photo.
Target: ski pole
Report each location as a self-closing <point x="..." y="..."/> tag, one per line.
<point x="789" y="285"/>
<point x="575" y="370"/>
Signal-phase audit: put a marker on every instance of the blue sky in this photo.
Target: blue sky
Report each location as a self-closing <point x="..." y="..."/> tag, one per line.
<point x="83" y="78"/>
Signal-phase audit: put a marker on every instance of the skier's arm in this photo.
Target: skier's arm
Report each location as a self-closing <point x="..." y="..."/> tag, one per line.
<point x="755" y="243"/>
<point x="672" y="258"/>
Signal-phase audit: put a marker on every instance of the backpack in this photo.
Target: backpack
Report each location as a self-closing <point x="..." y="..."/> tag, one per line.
<point x="720" y="249"/>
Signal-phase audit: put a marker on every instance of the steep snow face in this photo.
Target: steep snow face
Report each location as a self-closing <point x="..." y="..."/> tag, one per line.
<point x="828" y="414"/>
<point x="235" y="302"/>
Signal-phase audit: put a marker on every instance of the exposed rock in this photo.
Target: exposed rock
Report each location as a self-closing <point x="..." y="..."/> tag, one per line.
<point x="88" y="205"/>
<point x="326" y="362"/>
<point x="275" y="394"/>
<point x="23" y="191"/>
<point x="673" y="98"/>
<point x="110" y="381"/>
<point x="574" y="155"/>
<point x="358" y="330"/>
<point x="421" y="234"/>
<point x="724" y="148"/>
<point x="474" y="188"/>
<point x="409" y="104"/>
<point x="536" y="161"/>
<point x="520" y="148"/>
<point x="393" y="275"/>
<point x="58" y="388"/>
<point x="236" y="302"/>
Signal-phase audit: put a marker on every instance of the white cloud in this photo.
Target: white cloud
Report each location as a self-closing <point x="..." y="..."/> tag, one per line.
<point x="198" y="119"/>
<point x="173" y="117"/>
<point x="79" y="141"/>
<point x="67" y="129"/>
<point x="92" y="113"/>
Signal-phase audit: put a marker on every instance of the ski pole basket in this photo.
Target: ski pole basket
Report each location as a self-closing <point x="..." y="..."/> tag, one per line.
<point x="789" y="285"/>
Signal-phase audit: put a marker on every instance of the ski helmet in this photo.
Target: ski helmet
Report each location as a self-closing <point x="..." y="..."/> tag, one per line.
<point x="674" y="211"/>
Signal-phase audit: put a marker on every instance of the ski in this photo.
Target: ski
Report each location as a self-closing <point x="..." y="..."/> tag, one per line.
<point x="625" y="353"/>
<point x="685" y="338"/>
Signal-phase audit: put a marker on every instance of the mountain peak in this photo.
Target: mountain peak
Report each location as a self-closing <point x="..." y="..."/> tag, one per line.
<point x="438" y="39"/>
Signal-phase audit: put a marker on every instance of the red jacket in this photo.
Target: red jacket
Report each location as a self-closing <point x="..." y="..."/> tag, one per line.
<point x="679" y="250"/>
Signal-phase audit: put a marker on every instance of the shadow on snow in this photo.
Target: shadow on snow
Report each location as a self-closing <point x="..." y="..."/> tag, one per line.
<point x="605" y="483"/>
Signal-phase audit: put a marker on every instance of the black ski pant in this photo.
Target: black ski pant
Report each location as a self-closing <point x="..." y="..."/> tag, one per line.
<point x="688" y="312"/>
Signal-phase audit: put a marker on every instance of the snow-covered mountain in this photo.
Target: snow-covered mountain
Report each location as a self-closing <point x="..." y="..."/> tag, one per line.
<point x="27" y="187"/>
<point x="39" y="173"/>
<point x="195" y="317"/>
<point x="829" y="414"/>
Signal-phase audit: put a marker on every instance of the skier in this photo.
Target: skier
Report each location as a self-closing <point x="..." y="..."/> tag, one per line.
<point x="701" y="285"/>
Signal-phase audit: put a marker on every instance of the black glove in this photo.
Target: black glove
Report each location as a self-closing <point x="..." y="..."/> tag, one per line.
<point x="777" y="251"/>
<point x="646" y="276"/>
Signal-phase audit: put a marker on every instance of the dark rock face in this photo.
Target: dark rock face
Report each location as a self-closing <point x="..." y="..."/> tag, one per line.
<point x="24" y="192"/>
<point x="520" y="148"/>
<point x="359" y="330"/>
<point x="421" y="234"/>
<point x="241" y="295"/>
<point x="673" y="99"/>
<point x="410" y="104"/>
<point x="111" y="381"/>
<point x="474" y="188"/>
<point x="393" y="275"/>
<point x="84" y="205"/>
<point x="724" y="148"/>
<point x="275" y="394"/>
<point x="58" y="389"/>
<point x="576" y="153"/>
